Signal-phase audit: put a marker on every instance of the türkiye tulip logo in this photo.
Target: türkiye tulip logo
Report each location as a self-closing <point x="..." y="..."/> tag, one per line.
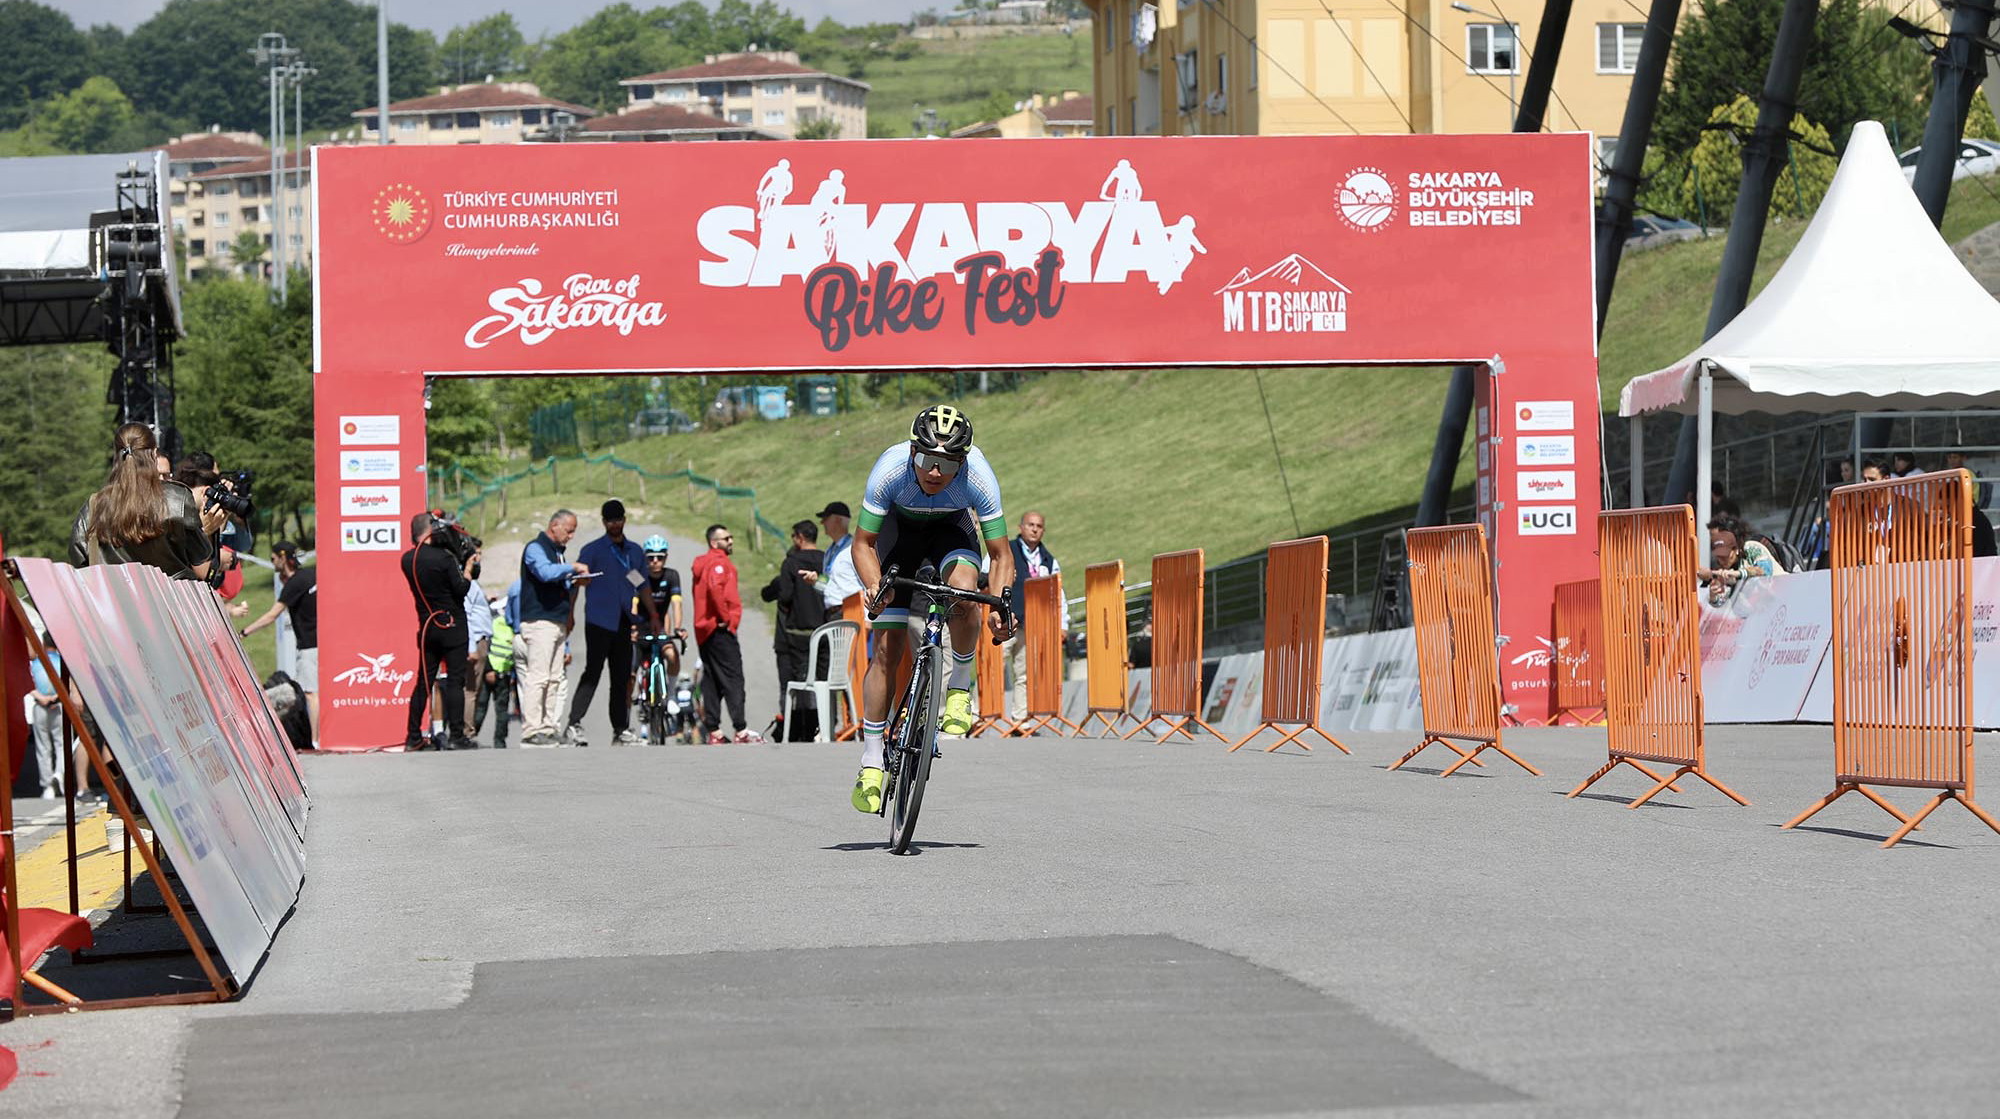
<point x="401" y="213"/>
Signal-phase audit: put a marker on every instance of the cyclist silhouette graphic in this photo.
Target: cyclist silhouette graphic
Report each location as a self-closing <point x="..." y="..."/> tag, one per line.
<point x="1122" y="185"/>
<point x="831" y="193"/>
<point x="774" y="187"/>
<point x="1182" y="244"/>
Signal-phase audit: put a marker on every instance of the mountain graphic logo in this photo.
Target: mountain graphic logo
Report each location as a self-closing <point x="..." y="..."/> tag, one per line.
<point x="1293" y="271"/>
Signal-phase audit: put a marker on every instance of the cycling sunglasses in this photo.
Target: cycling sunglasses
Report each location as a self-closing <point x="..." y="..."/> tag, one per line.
<point x="943" y="464"/>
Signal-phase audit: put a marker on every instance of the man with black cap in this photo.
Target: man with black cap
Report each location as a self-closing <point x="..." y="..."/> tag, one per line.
<point x="836" y="579"/>
<point x="616" y="566"/>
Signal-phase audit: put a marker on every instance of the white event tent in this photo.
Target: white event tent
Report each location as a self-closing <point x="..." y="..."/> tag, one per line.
<point x="1872" y="310"/>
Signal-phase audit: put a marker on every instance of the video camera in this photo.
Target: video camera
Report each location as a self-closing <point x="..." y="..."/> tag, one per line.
<point x="450" y="535"/>
<point x="232" y="494"/>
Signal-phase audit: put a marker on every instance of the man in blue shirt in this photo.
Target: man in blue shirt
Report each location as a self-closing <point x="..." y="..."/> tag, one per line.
<point x="545" y="613"/>
<point x="614" y="562"/>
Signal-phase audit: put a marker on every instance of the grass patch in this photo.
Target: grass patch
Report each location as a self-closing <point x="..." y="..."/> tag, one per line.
<point x="956" y="77"/>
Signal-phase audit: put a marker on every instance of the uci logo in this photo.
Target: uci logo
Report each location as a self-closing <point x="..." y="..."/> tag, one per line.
<point x="1548" y="520"/>
<point x="371" y="536"/>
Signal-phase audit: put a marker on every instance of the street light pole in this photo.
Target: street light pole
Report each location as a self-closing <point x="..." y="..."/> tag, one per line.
<point x="381" y="71"/>
<point x="1513" y="53"/>
<point x="272" y="53"/>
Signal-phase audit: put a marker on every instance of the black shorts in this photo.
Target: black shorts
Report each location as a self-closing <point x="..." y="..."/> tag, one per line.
<point x="907" y="544"/>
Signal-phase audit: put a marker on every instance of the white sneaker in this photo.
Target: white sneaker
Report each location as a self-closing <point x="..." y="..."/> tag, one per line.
<point x="629" y="737"/>
<point x="49" y="792"/>
<point x="573" y="735"/>
<point x="748" y="736"/>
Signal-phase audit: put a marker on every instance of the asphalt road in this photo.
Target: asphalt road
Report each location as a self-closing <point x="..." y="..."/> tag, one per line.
<point x="1089" y="928"/>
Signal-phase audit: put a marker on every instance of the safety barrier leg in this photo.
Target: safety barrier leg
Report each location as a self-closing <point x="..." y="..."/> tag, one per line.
<point x="1428" y="742"/>
<point x="1482" y="748"/>
<point x="1670" y="784"/>
<point x="1111" y="721"/>
<point x="1666" y="783"/>
<point x="1288" y="739"/>
<point x="1841" y="790"/>
<point x="1176" y="725"/>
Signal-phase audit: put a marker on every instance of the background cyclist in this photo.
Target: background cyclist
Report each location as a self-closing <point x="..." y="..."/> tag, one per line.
<point x="931" y="500"/>
<point x="658" y="606"/>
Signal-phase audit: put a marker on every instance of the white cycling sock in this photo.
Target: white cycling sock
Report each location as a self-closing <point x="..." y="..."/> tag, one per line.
<point x="871" y="743"/>
<point x="960" y="677"/>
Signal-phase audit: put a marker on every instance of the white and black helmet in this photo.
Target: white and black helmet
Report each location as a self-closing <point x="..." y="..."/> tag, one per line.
<point x="941" y="429"/>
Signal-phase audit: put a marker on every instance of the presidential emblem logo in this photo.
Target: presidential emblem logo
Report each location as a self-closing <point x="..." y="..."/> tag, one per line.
<point x="401" y="213"/>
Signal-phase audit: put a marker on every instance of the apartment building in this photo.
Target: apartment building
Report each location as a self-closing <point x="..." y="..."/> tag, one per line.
<point x="219" y="204"/>
<point x="1214" y="67"/>
<point x="657" y="123"/>
<point x="1067" y="115"/>
<point x="483" y="113"/>
<point x="196" y="153"/>
<point x="769" y="90"/>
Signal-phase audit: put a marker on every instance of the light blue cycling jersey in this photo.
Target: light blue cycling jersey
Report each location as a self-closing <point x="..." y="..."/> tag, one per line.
<point x="892" y="484"/>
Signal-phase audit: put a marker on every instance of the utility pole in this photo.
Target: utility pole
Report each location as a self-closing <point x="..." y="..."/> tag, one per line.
<point x="272" y="53"/>
<point x="1763" y="159"/>
<point x="382" y="71"/>
<point x="1459" y="394"/>
<point x="1621" y="191"/>
<point x="298" y="72"/>
<point x="1957" y="69"/>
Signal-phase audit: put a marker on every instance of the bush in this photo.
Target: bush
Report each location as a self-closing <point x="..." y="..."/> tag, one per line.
<point x="1716" y="167"/>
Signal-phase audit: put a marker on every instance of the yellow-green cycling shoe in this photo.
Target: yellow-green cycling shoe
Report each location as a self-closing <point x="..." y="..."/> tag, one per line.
<point x="957" y="717"/>
<point x="868" y="790"/>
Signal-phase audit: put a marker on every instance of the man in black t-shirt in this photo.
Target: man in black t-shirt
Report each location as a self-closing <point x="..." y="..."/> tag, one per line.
<point x="300" y="595"/>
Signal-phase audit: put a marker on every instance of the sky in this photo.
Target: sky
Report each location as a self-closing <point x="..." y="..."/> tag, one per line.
<point x="534" y="20"/>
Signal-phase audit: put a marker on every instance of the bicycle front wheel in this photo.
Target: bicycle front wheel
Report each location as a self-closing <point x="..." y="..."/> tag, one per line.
<point x="914" y="745"/>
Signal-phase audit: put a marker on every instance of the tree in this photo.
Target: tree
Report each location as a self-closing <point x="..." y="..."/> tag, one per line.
<point x="54" y="453"/>
<point x="1717" y="166"/>
<point x="586" y="63"/>
<point x="819" y="128"/>
<point x="738" y="26"/>
<point x="42" y="54"/>
<point x="1854" y="69"/>
<point x="85" y="119"/>
<point x="493" y="46"/>
<point x="247" y="250"/>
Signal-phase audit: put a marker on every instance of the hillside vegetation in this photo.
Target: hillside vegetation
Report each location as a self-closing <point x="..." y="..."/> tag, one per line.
<point x="970" y="80"/>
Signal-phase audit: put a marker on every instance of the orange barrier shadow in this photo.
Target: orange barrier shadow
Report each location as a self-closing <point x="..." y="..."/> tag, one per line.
<point x="1579" y="667"/>
<point x="1294" y="640"/>
<point x="1109" y="656"/>
<point x="1041" y="621"/>
<point x="1458" y="657"/>
<point x="1651" y="622"/>
<point x="1902" y="643"/>
<point x="1177" y="644"/>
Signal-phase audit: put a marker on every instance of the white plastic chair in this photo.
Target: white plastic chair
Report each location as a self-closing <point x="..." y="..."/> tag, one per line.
<point x="837" y="638"/>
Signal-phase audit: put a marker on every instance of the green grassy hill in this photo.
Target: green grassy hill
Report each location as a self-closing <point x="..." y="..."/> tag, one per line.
<point x="956" y="77"/>
<point x="1129" y="463"/>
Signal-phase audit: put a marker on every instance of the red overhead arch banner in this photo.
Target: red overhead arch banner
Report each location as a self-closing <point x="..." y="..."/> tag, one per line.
<point x="750" y="257"/>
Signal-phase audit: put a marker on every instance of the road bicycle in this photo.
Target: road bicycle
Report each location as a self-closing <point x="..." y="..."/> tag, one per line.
<point x="663" y="702"/>
<point x="912" y="745"/>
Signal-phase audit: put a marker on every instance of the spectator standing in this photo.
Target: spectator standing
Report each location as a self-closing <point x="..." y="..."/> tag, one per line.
<point x="618" y="565"/>
<point x="800" y="608"/>
<point x="836" y="580"/>
<point x="546" y="612"/>
<point x="479" y="641"/>
<point x="1032" y="560"/>
<point x="718" y="611"/>
<point x="139" y="516"/>
<point x="45" y="718"/>
<point x="437" y="587"/>
<point x="300" y="595"/>
<point x="496" y="682"/>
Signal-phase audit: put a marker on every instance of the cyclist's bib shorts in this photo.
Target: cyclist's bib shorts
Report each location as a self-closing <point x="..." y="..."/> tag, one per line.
<point x="908" y="543"/>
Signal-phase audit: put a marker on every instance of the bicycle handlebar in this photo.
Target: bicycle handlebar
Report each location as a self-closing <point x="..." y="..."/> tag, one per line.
<point x="892" y="578"/>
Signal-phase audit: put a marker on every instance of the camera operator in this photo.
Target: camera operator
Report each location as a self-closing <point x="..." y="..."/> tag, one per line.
<point x="438" y="581"/>
<point x="140" y="517"/>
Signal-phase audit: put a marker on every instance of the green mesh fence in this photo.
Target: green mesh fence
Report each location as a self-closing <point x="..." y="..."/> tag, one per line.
<point x="475" y="493"/>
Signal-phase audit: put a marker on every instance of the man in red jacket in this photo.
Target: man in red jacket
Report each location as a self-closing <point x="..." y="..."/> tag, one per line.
<point x="718" y="611"/>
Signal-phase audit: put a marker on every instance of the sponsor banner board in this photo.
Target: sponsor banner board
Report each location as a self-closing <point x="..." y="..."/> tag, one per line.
<point x="371" y="431"/>
<point x="359" y="466"/>
<point x="1761" y="648"/>
<point x="371" y="536"/>
<point x="1545" y="415"/>
<point x="180" y="738"/>
<point x="1545" y="450"/>
<point x="1545" y="485"/>
<point x="370" y="501"/>
<point x="1546" y="520"/>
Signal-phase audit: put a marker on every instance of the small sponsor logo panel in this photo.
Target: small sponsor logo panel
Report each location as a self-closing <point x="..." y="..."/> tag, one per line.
<point x="371" y="536"/>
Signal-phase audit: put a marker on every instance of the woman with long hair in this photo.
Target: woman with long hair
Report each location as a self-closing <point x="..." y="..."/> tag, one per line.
<point x="140" y="517"/>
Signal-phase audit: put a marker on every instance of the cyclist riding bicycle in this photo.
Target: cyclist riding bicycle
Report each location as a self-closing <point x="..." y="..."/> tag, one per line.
<point x="658" y="604"/>
<point x="932" y="501"/>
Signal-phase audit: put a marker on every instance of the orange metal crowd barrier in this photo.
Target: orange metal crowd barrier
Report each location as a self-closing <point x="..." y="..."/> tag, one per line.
<point x="1042" y="625"/>
<point x="1458" y="661"/>
<point x="1902" y="643"/>
<point x="1109" y="657"/>
<point x="1579" y="667"/>
<point x="1647" y="559"/>
<point x="990" y="673"/>
<point x="1294" y="639"/>
<point x="857" y="661"/>
<point x="1176" y="618"/>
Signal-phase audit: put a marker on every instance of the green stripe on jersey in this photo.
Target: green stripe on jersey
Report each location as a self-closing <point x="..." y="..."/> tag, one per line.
<point x="994" y="529"/>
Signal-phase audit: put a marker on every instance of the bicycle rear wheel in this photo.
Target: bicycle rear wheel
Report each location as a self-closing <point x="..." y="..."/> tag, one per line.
<point x="914" y="746"/>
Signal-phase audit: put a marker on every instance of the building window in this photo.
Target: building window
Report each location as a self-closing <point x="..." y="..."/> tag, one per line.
<point x="1222" y="75"/>
<point x="807" y="113"/>
<point x="297" y="241"/>
<point x="673" y="93"/>
<point x="739" y="89"/>
<point x="252" y="213"/>
<point x="642" y="93"/>
<point x="295" y="211"/>
<point x="1253" y="62"/>
<point x="531" y="116"/>
<point x="1489" y="49"/>
<point x="774" y="116"/>
<point x="1618" y="47"/>
<point x="407" y="124"/>
<point x="198" y="247"/>
<point x="468" y="120"/>
<point x="739" y="116"/>
<point x="500" y="120"/>
<point x="708" y="90"/>
<point x="774" y="89"/>
<point x="1111" y="120"/>
<point x="197" y="219"/>
<point x="368" y="123"/>
<point x="805" y="89"/>
<point x="1111" y="31"/>
<point x="441" y="122"/>
<point x="220" y="190"/>
<point x="222" y="217"/>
